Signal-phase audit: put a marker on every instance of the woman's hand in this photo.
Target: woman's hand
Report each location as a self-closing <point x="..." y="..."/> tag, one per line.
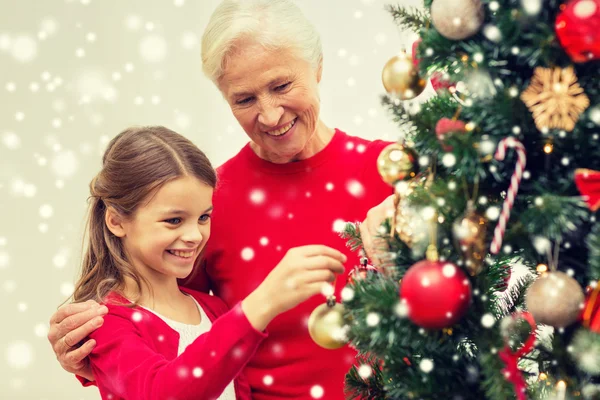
<point x="301" y="274"/>
<point x="69" y="326"/>
<point x="373" y="242"/>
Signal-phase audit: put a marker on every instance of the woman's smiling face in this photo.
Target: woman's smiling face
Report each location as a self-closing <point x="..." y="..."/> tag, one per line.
<point x="274" y="95"/>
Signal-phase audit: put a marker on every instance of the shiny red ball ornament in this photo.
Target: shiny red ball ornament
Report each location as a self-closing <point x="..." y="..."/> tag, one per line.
<point x="437" y="78"/>
<point x="437" y="294"/>
<point x="445" y="127"/>
<point x="359" y="273"/>
<point x="577" y="29"/>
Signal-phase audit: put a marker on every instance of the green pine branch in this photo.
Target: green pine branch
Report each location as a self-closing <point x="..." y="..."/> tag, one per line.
<point x="593" y="244"/>
<point x="408" y="18"/>
<point x="370" y="388"/>
<point x="549" y="220"/>
<point x="553" y="216"/>
<point x="351" y="233"/>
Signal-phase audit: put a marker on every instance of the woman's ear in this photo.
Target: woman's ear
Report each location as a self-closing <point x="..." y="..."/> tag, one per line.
<point x="114" y="222"/>
<point x="320" y="70"/>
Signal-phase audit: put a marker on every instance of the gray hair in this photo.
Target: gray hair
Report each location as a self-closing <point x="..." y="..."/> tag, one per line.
<point x="273" y="24"/>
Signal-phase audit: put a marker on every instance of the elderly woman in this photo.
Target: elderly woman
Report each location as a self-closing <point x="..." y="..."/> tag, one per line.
<point x="290" y="186"/>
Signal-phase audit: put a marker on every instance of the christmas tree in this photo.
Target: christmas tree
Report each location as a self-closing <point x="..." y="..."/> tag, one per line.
<point x="498" y="170"/>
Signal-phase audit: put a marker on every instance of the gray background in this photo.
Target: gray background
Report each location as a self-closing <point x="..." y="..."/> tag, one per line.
<point x="73" y="75"/>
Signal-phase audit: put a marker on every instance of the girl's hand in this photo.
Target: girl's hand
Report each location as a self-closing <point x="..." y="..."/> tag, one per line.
<point x="300" y="275"/>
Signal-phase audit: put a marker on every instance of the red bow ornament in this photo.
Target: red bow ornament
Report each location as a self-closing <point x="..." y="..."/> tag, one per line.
<point x="445" y="127"/>
<point x="437" y="78"/>
<point x="588" y="183"/>
<point x="590" y="317"/>
<point x="510" y="358"/>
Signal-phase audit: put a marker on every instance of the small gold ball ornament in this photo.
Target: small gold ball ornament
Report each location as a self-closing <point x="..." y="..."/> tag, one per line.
<point x="410" y="226"/>
<point x="326" y="325"/>
<point x="469" y="230"/>
<point x="397" y="163"/>
<point x="401" y="78"/>
<point x="555" y="299"/>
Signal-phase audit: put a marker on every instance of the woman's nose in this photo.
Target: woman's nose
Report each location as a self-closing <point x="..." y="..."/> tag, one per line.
<point x="270" y="114"/>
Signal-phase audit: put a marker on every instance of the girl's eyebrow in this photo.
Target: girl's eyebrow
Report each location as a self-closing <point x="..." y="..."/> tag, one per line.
<point x="182" y="212"/>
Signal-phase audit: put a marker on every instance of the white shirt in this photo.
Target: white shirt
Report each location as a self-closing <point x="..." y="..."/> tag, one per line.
<point x="188" y="333"/>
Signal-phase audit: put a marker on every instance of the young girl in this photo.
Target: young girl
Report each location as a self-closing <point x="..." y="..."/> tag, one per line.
<point x="149" y="220"/>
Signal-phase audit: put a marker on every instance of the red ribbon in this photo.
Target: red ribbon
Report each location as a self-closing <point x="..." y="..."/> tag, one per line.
<point x="437" y="78"/>
<point x="588" y="183"/>
<point x="511" y="370"/>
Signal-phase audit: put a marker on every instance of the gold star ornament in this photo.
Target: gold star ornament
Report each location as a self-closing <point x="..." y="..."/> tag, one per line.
<point x="555" y="98"/>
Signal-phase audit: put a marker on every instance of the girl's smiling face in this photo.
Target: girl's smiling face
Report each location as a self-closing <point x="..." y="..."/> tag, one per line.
<point x="165" y="234"/>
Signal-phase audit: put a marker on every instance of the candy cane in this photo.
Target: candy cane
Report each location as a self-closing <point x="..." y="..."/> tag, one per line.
<point x="515" y="180"/>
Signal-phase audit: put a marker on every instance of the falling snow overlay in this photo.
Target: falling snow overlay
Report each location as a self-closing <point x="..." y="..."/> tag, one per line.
<point x="77" y="72"/>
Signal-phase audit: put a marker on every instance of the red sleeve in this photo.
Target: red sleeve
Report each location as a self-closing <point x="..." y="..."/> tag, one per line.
<point x="124" y="363"/>
<point x="84" y="381"/>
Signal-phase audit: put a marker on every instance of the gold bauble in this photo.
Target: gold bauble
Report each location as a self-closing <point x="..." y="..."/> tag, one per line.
<point x="401" y="78"/>
<point x="469" y="230"/>
<point x="397" y="163"/>
<point x="326" y="326"/>
<point x="555" y="299"/>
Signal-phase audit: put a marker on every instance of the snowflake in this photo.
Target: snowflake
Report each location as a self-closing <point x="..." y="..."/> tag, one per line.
<point x="19" y="354"/>
<point x="67" y="289"/>
<point x="365" y="371"/>
<point x="426" y="365"/>
<point x="4" y="260"/>
<point x="268" y="380"/>
<point x="41" y="330"/>
<point x="247" y="253"/>
<point x="355" y="188"/>
<point x="555" y="98"/>
<point x="257" y="196"/>
<point x="317" y="392"/>
<point x="153" y="48"/>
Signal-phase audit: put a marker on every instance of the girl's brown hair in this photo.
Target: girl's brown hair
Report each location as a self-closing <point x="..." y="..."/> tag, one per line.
<point x="137" y="162"/>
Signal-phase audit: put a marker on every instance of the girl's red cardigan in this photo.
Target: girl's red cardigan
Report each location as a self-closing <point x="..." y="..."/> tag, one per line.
<point x="136" y="353"/>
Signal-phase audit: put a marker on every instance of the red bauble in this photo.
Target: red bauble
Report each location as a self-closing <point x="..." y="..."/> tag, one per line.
<point x="445" y="127"/>
<point x="437" y="78"/>
<point x="437" y="294"/>
<point x="577" y="30"/>
<point x="359" y="273"/>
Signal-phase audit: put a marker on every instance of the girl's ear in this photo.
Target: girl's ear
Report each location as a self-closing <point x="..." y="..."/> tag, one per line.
<point x="114" y="222"/>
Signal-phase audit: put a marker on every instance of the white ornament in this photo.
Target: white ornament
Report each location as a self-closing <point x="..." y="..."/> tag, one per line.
<point x="457" y="19"/>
